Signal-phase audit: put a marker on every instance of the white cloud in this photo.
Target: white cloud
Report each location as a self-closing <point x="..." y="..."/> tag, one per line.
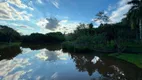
<point x="118" y="12"/>
<point x="22" y="26"/>
<point x="48" y="23"/>
<point x="63" y="26"/>
<point x="117" y="15"/>
<point x="55" y="3"/>
<point x="39" y="1"/>
<point x="30" y="3"/>
<point x="123" y="2"/>
<point x="27" y="27"/>
<point x="25" y="15"/>
<point x="31" y="8"/>
<point x="67" y="27"/>
<point x="63" y="21"/>
<point x="19" y="4"/>
<point x="42" y="23"/>
<point x="3" y="22"/>
<point x="53" y="25"/>
<point x="7" y="12"/>
<point x="111" y="7"/>
<point x="15" y="76"/>
<point x="7" y="66"/>
<point x="122" y="9"/>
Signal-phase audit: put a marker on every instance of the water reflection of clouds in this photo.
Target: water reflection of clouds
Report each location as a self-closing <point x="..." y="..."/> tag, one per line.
<point x="54" y="65"/>
<point x="96" y="76"/>
<point x="47" y="55"/>
<point x="25" y="50"/>
<point x="95" y="59"/>
<point x="8" y="66"/>
<point x="14" y="76"/>
<point x="54" y="76"/>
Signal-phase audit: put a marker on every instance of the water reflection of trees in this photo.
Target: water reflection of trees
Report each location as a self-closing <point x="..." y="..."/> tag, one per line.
<point x="50" y="47"/>
<point x="108" y="68"/>
<point x="83" y="63"/>
<point x="9" y="52"/>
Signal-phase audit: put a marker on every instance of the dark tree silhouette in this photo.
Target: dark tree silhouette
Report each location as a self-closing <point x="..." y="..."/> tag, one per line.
<point x="101" y="17"/>
<point x="8" y="34"/>
<point x="135" y="17"/>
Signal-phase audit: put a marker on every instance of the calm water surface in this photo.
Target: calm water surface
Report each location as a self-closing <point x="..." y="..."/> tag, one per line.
<point x="51" y="63"/>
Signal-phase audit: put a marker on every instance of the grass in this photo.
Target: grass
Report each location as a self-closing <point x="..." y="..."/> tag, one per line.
<point x="4" y="45"/>
<point x="132" y="58"/>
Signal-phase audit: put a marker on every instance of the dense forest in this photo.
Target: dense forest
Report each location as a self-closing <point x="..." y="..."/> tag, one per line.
<point x="56" y="37"/>
<point x="9" y="35"/>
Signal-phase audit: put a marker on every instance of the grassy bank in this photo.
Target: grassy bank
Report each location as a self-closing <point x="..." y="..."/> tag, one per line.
<point x="132" y="58"/>
<point x="108" y="47"/>
<point x="4" y="45"/>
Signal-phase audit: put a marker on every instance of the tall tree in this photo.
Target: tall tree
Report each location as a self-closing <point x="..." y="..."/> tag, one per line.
<point x="101" y="17"/>
<point x="90" y="28"/>
<point x="135" y="17"/>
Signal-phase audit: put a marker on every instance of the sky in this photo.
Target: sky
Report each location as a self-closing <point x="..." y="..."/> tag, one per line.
<point x="44" y="16"/>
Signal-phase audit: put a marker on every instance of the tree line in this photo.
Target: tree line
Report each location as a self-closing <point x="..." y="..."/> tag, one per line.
<point x="9" y="35"/>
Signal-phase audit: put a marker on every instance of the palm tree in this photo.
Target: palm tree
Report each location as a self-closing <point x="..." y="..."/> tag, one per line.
<point x="135" y="15"/>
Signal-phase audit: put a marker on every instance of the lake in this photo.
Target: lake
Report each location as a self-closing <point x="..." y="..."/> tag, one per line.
<point x="36" y="62"/>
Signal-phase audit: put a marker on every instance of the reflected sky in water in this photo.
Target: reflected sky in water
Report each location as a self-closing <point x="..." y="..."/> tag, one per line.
<point x="44" y="64"/>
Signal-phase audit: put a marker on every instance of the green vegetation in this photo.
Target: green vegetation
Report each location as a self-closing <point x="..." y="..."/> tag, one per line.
<point x="49" y="38"/>
<point x="125" y="36"/>
<point x="132" y="58"/>
<point x="105" y="38"/>
<point x="4" y="45"/>
<point x="135" y="18"/>
<point x="9" y="35"/>
<point x="9" y="52"/>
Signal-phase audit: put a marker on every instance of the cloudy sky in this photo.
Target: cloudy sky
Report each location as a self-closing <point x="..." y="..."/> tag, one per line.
<point x="43" y="16"/>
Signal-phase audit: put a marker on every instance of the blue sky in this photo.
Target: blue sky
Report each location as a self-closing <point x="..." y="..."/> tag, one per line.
<point x="43" y="16"/>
